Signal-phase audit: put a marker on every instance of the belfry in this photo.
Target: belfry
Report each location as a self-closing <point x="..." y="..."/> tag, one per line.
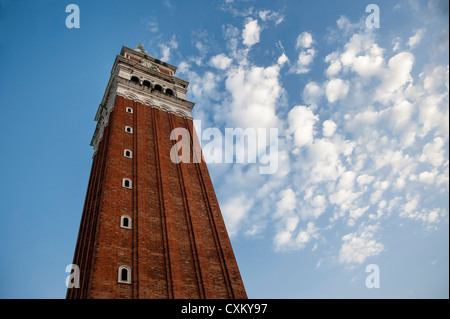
<point x="150" y="227"/>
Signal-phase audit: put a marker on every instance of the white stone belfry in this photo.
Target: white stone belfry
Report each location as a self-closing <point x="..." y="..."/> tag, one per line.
<point x="138" y="76"/>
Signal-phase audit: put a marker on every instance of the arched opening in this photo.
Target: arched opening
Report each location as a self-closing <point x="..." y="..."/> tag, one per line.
<point x="146" y="84"/>
<point x="157" y="88"/>
<point x="124" y="275"/>
<point x="134" y="79"/>
<point x="126" y="183"/>
<point x="125" y="221"/>
<point x="127" y="153"/>
<point x="169" y="92"/>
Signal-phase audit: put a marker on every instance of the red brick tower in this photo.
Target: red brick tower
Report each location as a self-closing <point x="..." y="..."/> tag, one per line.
<point x="150" y="228"/>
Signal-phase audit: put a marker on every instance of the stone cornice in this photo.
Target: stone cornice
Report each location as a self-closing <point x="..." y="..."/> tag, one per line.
<point x="131" y="91"/>
<point x="144" y="69"/>
<point x="154" y="95"/>
<point x="148" y="57"/>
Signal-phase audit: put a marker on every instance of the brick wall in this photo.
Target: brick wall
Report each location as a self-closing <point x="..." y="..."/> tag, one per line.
<point x="178" y="246"/>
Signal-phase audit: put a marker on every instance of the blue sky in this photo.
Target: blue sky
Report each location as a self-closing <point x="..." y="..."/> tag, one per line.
<point x="362" y="117"/>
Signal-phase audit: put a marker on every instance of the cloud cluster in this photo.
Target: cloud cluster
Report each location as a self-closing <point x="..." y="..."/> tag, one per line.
<point x="220" y="61"/>
<point x="380" y="154"/>
<point x="269" y="15"/>
<point x="368" y="142"/>
<point x="251" y="31"/>
<point x="307" y="53"/>
<point x="357" y="247"/>
<point x="167" y="47"/>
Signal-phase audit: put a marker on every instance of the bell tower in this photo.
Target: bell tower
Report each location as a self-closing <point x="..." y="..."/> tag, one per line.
<point x="150" y="227"/>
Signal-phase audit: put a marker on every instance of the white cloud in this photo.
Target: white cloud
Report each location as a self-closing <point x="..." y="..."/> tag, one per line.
<point x="344" y="195"/>
<point x="305" y="58"/>
<point x="151" y="24"/>
<point x="431" y="116"/>
<point x="183" y="67"/>
<point x="253" y="231"/>
<point x="362" y="55"/>
<point x="345" y="26"/>
<point x="281" y="239"/>
<point x="401" y="114"/>
<point x="312" y="93"/>
<point x="251" y="31"/>
<point x="369" y="64"/>
<point x="427" y="177"/>
<point x="287" y="202"/>
<point x="288" y="219"/>
<point x="436" y="79"/>
<point x="231" y="36"/>
<point x="286" y="239"/>
<point x="314" y="204"/>
<point x="263" y="14"/>
<point x="318" y="201"/>
<point x="255" y="92"/>
<point x="282" y="59"/>
<point x="306" y="54"/>
<point x="396" y="76"/>
<point x="396" y="43"/>
<point x="429" y="217"/>
<point x="357" y="212"/>
<point x="324" y="161"/>
<point x="357" y="247"/>
<point x="334" y="68"/>
<point x="234" y="211"/>
<point x="433" y="152"/>
<point x="220" y="61"/>
<point x="301" y="122"/>
<point x="268" y="15"/>
<point x="364" y="179"/>
<point x="416" y="38"/>
<point x="306" y="235"/>
<point x="202" y="87"/>
<point x="347" y="180"/>
<point x="167" y="47"/>
<point x="336" y="89"/>
<point x="329" y="127"/>
<point x="304" y="40"/>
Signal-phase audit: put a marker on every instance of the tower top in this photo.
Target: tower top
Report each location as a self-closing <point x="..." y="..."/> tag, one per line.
<point x="144" y="58"/>
<point x="140" y="49"/>
<point x="138" y="76"/>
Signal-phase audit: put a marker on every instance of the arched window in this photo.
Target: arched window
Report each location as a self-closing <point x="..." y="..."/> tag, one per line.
<point x="125" y="221"/>
<point x="128" y="153"/>
<point x="158" y="88"/>
<point x="146" y="84"/>
<point x="169" y="92"/>
<point x="128" y="129"/>
<point x="126" y="182"/>
<point x="124" y="275"/>
<point x="135" y="79"/>
<point x="129" y="110"/>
